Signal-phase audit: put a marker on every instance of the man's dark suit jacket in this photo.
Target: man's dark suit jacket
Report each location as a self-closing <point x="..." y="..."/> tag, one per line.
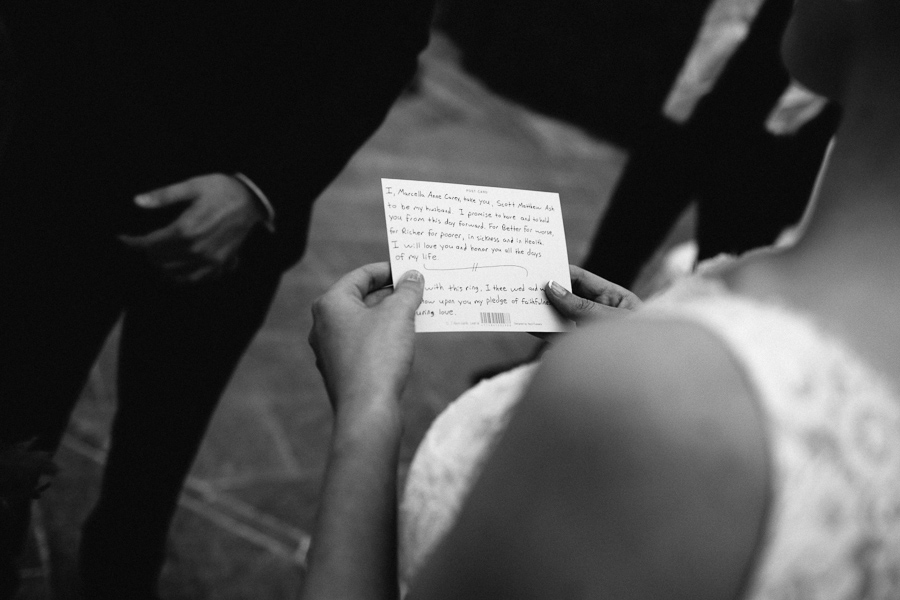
<point x="118" y="97"/>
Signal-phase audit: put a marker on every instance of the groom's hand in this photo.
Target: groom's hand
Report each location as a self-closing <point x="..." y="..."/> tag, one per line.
<point x="204" y="241"/>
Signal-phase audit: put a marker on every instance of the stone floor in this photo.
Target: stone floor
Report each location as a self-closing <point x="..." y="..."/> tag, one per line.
<point x="242" y="529"/>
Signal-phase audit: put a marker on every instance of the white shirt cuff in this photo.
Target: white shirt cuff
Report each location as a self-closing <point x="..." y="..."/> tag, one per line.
<point x="269" y="221"/>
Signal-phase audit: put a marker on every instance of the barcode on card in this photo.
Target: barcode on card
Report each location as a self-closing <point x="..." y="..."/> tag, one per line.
<point x="491" y="318"/>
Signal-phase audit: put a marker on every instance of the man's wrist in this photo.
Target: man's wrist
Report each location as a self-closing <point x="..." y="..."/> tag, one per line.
<point x="261" y="199"/>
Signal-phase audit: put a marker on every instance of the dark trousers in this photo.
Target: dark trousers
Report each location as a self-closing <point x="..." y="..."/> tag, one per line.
<point x="179" y="347"/>
<point x="746" y="193"/>
<point x="748" y="184"/>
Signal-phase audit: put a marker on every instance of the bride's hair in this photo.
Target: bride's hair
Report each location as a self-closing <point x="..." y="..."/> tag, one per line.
<point x="825" y="39"/>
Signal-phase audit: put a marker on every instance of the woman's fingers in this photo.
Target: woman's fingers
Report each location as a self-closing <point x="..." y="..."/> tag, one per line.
<point x="575" y="308"/>
<point x="593" y="287"/>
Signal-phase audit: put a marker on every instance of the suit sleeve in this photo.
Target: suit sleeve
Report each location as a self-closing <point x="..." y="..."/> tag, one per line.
<point x="329" y="76"/>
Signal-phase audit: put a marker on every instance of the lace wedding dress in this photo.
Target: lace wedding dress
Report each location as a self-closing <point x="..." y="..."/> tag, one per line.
<point x="833" y="426"/>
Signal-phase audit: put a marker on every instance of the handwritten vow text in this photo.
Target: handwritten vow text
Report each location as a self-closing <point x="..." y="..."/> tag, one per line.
<point x="486" y="254"/>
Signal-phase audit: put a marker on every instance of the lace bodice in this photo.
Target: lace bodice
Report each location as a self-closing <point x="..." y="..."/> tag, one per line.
<point x="833" y="529"/>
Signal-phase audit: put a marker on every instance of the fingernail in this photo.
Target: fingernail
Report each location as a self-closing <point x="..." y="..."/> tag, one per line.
<point x="556" y="289"/>
<point x="144" y="201"/>
<point x="412" y="276"/>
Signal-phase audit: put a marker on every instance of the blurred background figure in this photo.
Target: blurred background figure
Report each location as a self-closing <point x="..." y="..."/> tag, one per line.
<point x="748" y="154"/>
<point x="162" y="163"/>
<point x="706" y="112"/>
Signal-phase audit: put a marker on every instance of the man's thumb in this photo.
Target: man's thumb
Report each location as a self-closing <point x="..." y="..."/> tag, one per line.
<point x="179" y="192"/>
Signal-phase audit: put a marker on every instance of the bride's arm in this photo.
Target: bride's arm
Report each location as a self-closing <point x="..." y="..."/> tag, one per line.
<point x="363" y="338"/>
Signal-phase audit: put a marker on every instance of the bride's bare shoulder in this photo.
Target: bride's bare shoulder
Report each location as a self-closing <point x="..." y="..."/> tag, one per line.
<point x="671" y="374"/>
<point x="636" y="460"/>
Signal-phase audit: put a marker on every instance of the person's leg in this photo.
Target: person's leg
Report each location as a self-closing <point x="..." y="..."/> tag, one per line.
<point x="60" y="301"/>
<point x="179" y="347"/>
<point x="756" y="184"/>
<point x="663" y="175"/>
<point x="764" y="190"/>
<point x="751" y="82"/>
<point x="743" y="204"/>
<point x="651" y="194"/>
